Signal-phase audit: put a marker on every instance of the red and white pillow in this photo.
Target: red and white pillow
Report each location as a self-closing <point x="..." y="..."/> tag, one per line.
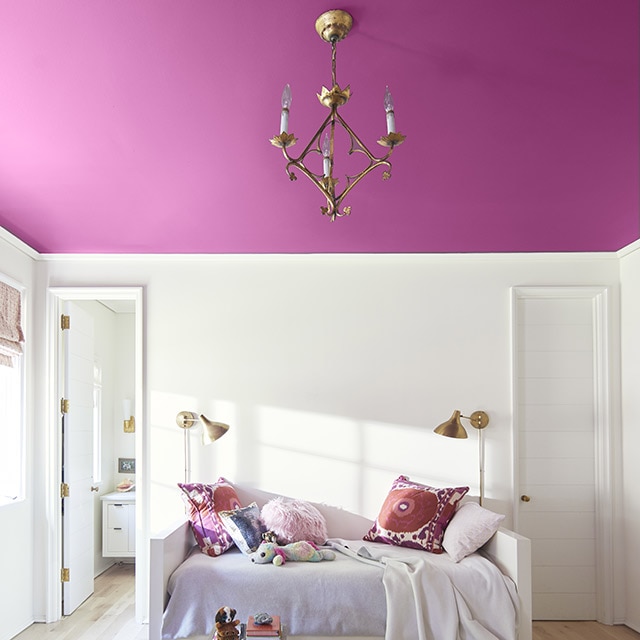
<point x="415" y="515"/>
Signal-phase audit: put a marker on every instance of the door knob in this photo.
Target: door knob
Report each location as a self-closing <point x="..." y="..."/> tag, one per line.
<point x="525" y="498"/>
<point x="95" y="488"/>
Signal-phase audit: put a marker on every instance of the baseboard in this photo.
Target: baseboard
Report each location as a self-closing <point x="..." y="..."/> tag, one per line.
<point x="633" y="625"/>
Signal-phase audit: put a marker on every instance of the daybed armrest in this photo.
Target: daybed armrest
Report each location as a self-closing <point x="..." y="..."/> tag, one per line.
<point x="168" y="549"/>
<point x="511" y="553"/>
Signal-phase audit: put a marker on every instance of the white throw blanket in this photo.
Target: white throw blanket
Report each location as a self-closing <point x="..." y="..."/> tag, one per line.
<point x="430" y="597"/>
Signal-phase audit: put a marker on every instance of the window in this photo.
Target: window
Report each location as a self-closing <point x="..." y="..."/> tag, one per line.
<point x="12" y="452"/>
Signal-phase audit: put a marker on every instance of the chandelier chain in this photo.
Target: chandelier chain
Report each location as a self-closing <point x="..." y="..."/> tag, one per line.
<point x="333" y="62"/>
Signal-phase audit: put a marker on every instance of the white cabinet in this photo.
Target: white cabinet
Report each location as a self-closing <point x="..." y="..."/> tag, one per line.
<point x="118" y="525"/>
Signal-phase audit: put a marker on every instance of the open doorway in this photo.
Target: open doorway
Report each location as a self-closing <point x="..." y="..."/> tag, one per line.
<point x="117" y="442"/>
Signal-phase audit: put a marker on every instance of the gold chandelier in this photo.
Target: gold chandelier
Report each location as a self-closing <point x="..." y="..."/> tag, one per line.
<point x="333" y="26"/>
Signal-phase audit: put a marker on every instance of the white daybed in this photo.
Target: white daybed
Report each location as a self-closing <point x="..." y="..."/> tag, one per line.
<point x="510" y="552"/>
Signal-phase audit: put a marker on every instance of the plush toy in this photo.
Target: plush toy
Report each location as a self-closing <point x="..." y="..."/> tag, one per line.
<point x="269" y="536"/>
<point x="226" y="626"/>
<point x="295" y="551"/>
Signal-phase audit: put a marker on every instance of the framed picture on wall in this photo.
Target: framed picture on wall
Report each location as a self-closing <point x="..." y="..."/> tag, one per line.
<point x="126" y="465"/>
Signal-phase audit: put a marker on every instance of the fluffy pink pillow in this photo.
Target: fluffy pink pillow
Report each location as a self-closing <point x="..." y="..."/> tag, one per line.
<point x="294" y="520"/>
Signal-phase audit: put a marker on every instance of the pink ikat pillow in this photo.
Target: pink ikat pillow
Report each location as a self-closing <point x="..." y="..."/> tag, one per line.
<point x="204" y="502"/>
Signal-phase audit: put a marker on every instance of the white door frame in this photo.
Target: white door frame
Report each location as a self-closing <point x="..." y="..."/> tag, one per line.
<point x="56" y="296"/>
<point x="604" y="449"/>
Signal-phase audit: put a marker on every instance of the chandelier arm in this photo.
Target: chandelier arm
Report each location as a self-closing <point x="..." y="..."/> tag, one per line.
<point x="299" y="164"/>
<point x="361" y="175"/>
<point x="374" y="161"/>
<point x="363" y="147"/>
<point x="308" y="148"/>
<point x="314" y="178"/>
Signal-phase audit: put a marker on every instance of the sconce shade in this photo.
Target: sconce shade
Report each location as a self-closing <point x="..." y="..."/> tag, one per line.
<point x="212" y="430"/>
<point x="452" y="428"/>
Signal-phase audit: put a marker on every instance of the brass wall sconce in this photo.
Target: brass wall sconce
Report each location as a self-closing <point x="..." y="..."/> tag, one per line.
<point x="453" y="428"/>
<point x="211" y="431"/>
<point x="129" y="421"/>
<point x="333" y="26"/>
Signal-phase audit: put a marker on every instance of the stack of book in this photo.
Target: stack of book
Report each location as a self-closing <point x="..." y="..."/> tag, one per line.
<point x="264" y="631"/>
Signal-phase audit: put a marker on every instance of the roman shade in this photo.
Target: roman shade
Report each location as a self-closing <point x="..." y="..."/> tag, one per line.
<point x="10" y="324"/>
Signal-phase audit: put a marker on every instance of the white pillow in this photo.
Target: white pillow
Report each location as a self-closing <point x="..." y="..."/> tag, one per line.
<point x="470" y="527"/>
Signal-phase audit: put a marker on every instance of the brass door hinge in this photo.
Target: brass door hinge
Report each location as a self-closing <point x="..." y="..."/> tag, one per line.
<point x="65" y="322"/>
<point x="64" y="574"/>
<point x="64" y="490"/>
<point x="64" y="405"/>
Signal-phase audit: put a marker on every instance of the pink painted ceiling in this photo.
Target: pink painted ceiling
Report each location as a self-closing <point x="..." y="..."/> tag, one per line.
<point x="143" y="126"/>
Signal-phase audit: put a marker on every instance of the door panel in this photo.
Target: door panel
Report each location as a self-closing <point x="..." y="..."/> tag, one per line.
<point x="581" y="605"/>
<point x="561" y="553"/>
<point x="578" y="498"/>
<point x="566" y="527"/>
<point x="579" y="579"/>
<point x="556" y="443"/>
<point x="560" y="472"/>
<point x="77" y="467"/>
<point x="552" y="418"/>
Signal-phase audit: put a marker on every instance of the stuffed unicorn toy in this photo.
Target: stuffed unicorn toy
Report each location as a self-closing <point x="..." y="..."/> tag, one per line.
<point x="295" y="551"/>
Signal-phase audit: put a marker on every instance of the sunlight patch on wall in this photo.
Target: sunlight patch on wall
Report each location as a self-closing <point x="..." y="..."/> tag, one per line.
<point x="334" y="437"/>
<point x="351" y="463"/>
<point x="419" y="453"/>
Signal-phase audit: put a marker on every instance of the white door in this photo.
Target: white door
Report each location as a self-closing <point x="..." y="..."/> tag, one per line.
<point x="556" y="405"/>
<point x="77" y="458"/>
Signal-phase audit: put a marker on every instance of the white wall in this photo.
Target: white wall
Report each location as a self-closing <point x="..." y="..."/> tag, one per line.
<point x="630" y="305"/>
<point x="17" y="556"/>
<point x="333" y="371"/>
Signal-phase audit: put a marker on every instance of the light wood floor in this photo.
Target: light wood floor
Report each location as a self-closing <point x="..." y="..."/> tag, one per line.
<point x="581" y="631"/>
<point x="110" y="615"/>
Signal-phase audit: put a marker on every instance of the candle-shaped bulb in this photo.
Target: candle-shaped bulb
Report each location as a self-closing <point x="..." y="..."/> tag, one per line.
<point x="326" y="155"/>
<point x="284" y="114"/>
<point x="388" y="100"/>
<point x="286" y="96"/>
<point x="388" y="107"/>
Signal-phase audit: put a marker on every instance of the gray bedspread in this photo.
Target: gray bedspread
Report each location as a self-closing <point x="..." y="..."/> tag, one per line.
<point x="342" y="597"/>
